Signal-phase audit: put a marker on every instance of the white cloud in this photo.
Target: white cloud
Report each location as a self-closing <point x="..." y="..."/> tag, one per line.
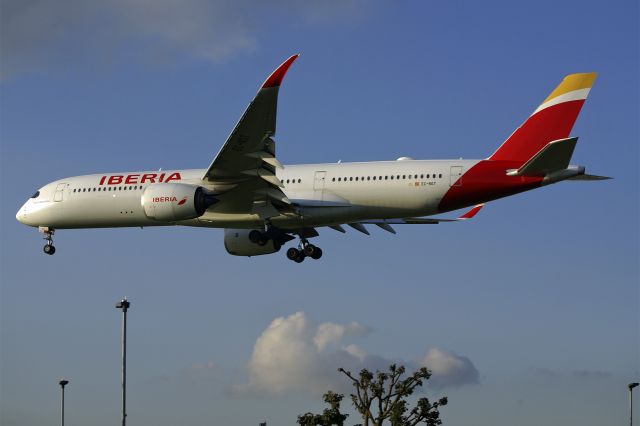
<point x="294" y="354"/>
<point x="449" y="369"/>
<point x="38" y="34"/>
<point x="356" y="351"/>
<point x="330" y="332"/>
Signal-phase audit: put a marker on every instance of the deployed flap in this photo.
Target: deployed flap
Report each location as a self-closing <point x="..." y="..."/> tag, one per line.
<point x="422" y="220"/>
<point x="554" y="156"/>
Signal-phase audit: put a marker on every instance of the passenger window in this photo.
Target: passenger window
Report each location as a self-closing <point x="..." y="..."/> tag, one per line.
<point x="421" y="176"/>
<point x="368" y="177"/>
<point x="415" y="176"/>
<point x="299" y="180"/>
<point x="440" y="175"/>
<point x="333" y="179"/>
<point x="356" y="178"/>
<point x="374" y="178"/>
<point x="404" y="176"/>
<point x="391" y="177"/>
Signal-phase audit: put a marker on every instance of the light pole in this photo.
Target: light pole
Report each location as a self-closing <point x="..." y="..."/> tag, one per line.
<point x="63" y="383"/>
<point x="124" y="305"/>
<point x="631" y="386"/>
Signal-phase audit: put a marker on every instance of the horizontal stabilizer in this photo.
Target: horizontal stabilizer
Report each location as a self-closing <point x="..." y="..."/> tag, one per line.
<point x="554" y="156"/>
<point x="589" y="177"/>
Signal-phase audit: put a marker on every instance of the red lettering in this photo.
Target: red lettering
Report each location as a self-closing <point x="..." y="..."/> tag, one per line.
<point x="161" y="177"/>
<point x="173" y="176"/>
<point x="150" y="176"/>
<point x="115" y="180"/>
<point x="164" y="199"/>
<point x="132" y="179"/>
<point x="102" y="180"/>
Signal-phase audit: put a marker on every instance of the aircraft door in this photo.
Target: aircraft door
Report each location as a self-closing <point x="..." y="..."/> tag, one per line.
<point x="59" y="194"/>
<point x="318" y="184"/>
<point x="456" y="176"/>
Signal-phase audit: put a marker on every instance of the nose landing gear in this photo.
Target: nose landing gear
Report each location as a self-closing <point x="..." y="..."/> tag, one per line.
<point x="305" y="249"/>
<point x="48" y="237"/>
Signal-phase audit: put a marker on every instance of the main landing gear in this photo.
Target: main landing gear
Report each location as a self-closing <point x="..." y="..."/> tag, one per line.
<point x="48" y="237"/>
<point x="279" y="238"/>
<point x="305" y="249"/>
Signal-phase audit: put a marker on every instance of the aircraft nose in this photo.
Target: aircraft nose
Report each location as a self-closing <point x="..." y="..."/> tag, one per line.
<point x="21" y="215"/>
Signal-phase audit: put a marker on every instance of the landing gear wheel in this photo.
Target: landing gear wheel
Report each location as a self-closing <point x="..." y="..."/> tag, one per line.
<point x="293" y="253"/>
<point x="300" y="258"/>
<point x="48" y="237"/>
<point x="317" y="253"/>
<point x="256" y="237"/>
<point x="309" y="249"/>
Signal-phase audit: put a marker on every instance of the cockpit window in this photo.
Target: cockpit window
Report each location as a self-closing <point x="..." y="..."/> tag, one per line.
<point x="36" y="195"/>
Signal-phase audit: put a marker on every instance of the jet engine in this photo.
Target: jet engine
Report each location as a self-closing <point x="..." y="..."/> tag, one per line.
<point x="241" y="242"/>
<point x="170" y="202"/>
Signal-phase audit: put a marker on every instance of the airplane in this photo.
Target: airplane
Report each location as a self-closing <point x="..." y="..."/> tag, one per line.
<point x="262" y="204"/>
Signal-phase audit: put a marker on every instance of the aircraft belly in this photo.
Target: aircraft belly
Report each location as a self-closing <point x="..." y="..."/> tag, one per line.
<point x="102" y="211"/>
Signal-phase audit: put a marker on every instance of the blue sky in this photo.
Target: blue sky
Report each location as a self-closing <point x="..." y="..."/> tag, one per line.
<point x="539" y="293"/>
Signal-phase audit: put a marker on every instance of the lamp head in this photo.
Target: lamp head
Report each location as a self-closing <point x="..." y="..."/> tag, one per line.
<point x="123" y="304"/>
<point x="633" y="385"/>
<point x="63" y="382"/>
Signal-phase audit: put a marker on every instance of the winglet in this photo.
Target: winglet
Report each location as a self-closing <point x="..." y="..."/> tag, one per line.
<point x="471" y="213"/>
<point x="275" y="79"/>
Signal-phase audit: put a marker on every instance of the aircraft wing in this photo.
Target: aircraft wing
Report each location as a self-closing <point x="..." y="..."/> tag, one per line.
<point x="245" y="166"/>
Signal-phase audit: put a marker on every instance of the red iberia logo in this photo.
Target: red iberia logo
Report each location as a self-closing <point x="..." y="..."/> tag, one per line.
<point x="164" y="199"/>
<point x="181" y="202"/>
<point x="139" y="178"/>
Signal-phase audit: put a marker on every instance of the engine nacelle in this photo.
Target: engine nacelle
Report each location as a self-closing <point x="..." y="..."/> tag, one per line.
<point x="170" y="202"/>
<point x="238" y="243"/>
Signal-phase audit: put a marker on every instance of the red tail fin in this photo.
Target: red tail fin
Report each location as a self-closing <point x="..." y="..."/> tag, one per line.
<point x="552" y="120"/>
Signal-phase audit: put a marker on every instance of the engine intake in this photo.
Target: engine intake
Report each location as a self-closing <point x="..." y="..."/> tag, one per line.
<point x="170" y="202"/>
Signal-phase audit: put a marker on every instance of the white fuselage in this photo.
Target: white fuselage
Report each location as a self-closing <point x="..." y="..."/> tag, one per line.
<point x="324" y="194"/>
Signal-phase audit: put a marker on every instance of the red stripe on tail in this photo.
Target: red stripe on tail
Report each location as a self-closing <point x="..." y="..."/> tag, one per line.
<point x="549" y="124"/>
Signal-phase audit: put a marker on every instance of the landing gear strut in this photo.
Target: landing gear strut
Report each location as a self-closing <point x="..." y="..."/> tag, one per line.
<point x="270" y="233"/>
<point x="48" y="237"/>
<point x="305" y="249"/>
